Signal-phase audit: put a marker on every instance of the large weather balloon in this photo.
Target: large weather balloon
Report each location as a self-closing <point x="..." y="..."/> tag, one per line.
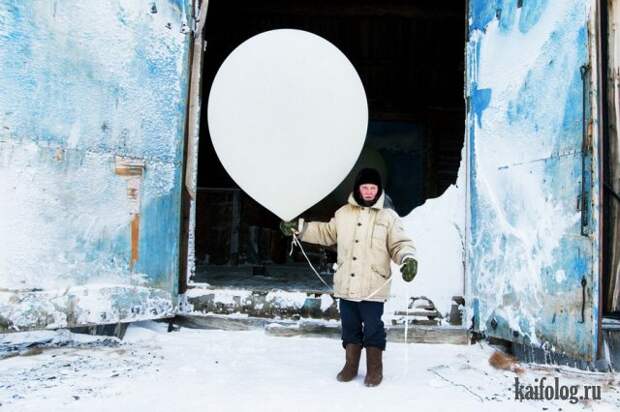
<point x="287" y="115"/>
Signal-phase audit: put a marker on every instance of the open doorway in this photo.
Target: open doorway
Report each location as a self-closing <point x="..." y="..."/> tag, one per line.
<point x="410" y="57"/>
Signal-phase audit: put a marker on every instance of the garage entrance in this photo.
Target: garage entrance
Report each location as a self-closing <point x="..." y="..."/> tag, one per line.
<point x="410" y="57"/>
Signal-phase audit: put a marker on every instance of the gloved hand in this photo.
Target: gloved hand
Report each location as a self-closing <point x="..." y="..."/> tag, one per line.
<point x="288" y="228"/>
<point x="409" y="269"/>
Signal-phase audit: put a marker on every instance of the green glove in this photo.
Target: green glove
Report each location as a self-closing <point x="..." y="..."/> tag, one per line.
<point x="409" y="269"/>
<point x="288" y="228"/>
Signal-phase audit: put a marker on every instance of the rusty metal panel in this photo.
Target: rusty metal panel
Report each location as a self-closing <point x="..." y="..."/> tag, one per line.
<point x="532" y="252"/>
<point x="92" y="121"/>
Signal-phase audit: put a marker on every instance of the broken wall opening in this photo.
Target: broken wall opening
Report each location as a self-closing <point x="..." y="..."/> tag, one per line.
<point x="410" y="58"/>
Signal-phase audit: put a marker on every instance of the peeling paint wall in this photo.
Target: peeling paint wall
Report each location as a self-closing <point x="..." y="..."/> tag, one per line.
<point x="92" y="116"/>
<point x="527" y="257"/>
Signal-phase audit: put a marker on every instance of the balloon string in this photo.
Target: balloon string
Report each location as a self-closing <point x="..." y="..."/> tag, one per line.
<point x="296" y="241"/>
<point x="407" y="331"/>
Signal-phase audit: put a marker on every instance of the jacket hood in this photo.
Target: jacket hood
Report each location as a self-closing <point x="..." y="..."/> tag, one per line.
<point x="366" y="175"/>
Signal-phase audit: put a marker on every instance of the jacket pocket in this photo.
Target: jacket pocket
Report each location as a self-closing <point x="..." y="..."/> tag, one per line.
<point x="380" y="271"/>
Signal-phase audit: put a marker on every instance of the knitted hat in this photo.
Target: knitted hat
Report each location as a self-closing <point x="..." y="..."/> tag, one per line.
<point x="366" y="176"/>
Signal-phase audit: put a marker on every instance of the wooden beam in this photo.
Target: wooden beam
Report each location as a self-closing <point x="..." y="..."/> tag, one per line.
<point x="190" y="161"/>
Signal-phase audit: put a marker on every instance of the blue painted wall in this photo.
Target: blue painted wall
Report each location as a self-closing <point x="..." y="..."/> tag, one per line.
<point x="88" y="87"/>
<point x="526" y="254"/>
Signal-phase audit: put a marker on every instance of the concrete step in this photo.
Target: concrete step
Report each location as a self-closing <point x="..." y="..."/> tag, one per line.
<point x="307" y="304"/>
<point x="321" y="328"/>
<point x="271" y="304"/>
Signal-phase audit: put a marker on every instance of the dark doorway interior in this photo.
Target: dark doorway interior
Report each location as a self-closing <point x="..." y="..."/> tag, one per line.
<point x="410" y="57"/>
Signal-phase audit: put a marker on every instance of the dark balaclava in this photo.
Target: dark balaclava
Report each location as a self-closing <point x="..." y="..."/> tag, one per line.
<point x="366" y="176"/>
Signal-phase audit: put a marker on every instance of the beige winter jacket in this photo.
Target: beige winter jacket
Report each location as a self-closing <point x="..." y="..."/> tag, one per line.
<point x="367" y="238"/>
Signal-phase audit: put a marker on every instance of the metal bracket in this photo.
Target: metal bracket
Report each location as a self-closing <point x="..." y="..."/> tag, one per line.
<point x="585" y="157"/>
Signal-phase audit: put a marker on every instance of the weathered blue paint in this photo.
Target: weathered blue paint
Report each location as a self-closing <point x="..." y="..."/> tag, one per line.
<point x="480" y="99"/>
<point x="530" y="13"/>
<point x="508" y="9"/>
<point x="526" y="255"/>
<point x="163" y="236"/>
<point x="482" y="13"/>
<point x="88" y="88"/>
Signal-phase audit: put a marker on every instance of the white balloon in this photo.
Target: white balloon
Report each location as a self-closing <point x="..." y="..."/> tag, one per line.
<point x="288" y="116"/>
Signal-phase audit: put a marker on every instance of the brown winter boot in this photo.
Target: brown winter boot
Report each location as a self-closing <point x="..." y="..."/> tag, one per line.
<point x="349" y="371"/>
<point x="374" y="366"/>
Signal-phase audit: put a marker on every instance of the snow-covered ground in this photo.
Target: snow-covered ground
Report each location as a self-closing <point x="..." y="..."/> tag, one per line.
<point x="203" y="370"/>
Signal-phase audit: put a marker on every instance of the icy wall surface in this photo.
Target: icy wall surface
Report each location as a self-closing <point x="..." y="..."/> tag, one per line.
<point x="92" y="115"/>
<point x="437" y="228"/>
<point x="526" y="256"/>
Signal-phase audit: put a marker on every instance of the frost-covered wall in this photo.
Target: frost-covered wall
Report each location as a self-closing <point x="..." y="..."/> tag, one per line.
<point x="437" y="228"/>
<point x="92" y="115"/>
<point x="529" y="263"/>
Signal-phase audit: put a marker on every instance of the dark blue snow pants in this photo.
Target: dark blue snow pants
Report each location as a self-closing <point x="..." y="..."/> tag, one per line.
<point x="362" y="324"/>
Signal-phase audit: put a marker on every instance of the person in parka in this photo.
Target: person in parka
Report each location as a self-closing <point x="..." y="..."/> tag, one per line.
<point x="368" y="236"/>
